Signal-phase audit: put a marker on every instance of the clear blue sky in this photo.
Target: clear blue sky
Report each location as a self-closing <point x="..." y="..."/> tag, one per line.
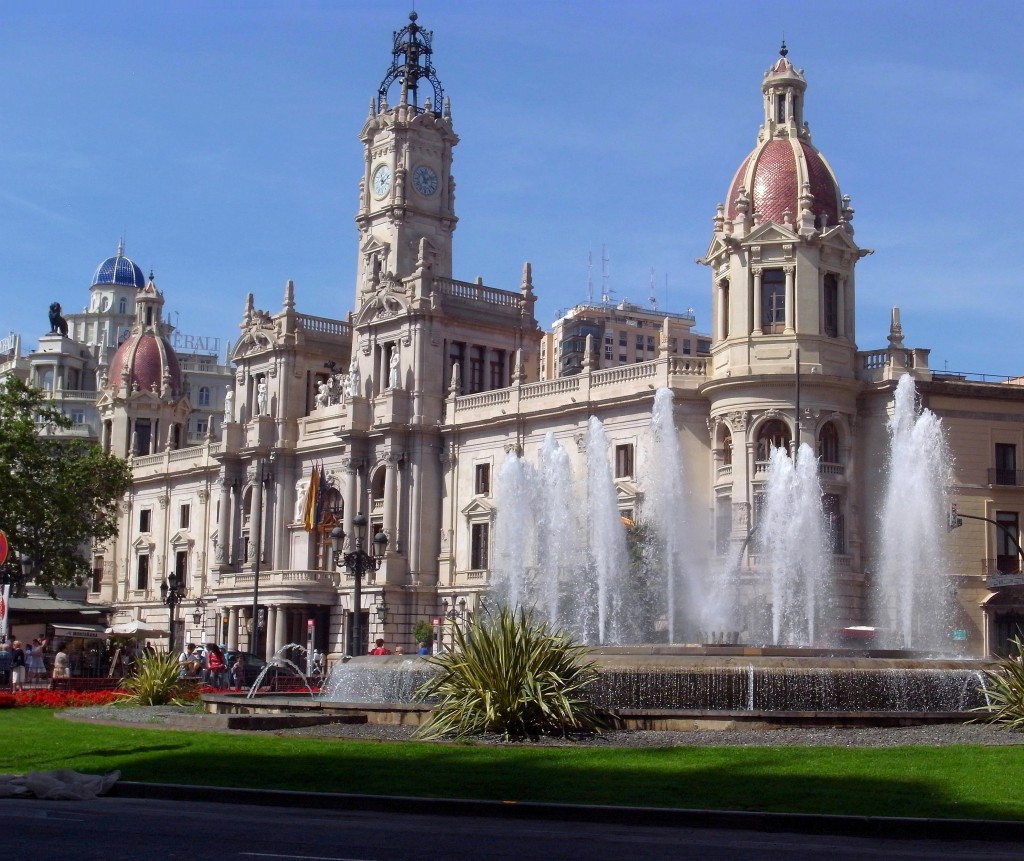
<point x="221" y="138"/>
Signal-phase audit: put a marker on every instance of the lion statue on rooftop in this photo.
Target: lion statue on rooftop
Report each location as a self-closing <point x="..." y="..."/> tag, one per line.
<point x="57" y="323"/>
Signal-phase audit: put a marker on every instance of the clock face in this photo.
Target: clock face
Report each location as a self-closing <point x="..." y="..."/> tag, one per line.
<point x="381" y="180"/>
<point x="424" y="180"/>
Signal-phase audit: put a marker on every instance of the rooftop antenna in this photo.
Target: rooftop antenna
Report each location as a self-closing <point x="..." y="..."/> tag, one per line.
<point x="605" y="293"/>
<point x="590" y="277"/>
<point x="652" y="298"/>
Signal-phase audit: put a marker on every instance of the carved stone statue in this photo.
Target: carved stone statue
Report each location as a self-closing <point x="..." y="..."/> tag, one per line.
<point x="393" y="374"/>
<point x="262" y="407"/>
<point x="353" y="377"/>
<point x="323" y="395"/>
<point x="229" y="403"/>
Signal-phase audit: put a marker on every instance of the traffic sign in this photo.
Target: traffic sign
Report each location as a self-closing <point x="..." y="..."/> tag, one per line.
<point x="3" y="547"/>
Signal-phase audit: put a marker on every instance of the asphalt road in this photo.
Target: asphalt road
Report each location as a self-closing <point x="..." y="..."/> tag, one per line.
<point x="138" y="829"/>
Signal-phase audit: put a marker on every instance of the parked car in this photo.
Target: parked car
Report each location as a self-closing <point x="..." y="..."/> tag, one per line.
<point x="255" y="665"/>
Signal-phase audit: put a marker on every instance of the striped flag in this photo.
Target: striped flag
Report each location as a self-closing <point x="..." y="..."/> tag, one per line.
<point x="321" y="495"/>
<point x="312" y="497"/>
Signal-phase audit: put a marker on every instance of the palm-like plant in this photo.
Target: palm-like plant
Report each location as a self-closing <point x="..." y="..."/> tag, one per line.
<point x="1004" y="690"/>
<point x="155" y="681"/>
<point x="509" y="674"/>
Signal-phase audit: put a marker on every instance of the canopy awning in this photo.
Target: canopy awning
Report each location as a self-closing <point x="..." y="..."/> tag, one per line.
<point x="136" y="628"/>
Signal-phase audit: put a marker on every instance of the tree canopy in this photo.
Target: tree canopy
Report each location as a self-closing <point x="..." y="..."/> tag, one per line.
<point x="58" y="495"/>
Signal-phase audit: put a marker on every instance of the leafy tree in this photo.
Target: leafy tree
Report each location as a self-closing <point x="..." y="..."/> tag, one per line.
<point x="57" y="495"/>
<point x="509" y="674"/>
<point x="423" y="632"/>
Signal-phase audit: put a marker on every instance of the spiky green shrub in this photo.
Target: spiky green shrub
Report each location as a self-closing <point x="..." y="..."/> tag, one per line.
<point x="155" y="681"/>
<point x="1004" y="691"/>
<point x="507" y="673"/>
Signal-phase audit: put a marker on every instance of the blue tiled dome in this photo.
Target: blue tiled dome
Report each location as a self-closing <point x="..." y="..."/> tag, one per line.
<point x="119" y="270"/>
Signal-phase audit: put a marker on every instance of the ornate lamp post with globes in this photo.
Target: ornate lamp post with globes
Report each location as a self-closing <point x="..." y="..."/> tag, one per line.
<point x="359" y="562"/>
<point x="172" y="590"/>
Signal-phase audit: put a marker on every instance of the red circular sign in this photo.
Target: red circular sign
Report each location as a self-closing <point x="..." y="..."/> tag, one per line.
<point x="3" y="547"/>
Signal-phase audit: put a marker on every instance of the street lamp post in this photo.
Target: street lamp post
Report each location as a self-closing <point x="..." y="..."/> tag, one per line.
<point x="359" y="562"/>
<point x="172" y="590"/>
<point x="257" y="509"/>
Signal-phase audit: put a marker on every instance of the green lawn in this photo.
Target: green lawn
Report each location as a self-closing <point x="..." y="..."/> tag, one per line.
<point x="962" y="781"/>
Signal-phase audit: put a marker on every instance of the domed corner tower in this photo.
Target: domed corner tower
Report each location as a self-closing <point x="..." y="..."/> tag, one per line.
<point x="143" y="406"/>
<point x="407" y="194"/>
<point x="782" y="369"/>
<point x="782" y="255"/>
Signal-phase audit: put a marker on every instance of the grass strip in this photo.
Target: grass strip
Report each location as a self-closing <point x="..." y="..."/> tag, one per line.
<point x="971" y="782"/>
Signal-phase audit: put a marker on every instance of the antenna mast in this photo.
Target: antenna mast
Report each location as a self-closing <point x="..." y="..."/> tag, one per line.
<point x="605" y="297"/>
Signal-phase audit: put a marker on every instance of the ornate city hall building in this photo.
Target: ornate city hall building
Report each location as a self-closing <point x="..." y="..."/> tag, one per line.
<point x="405" y="410"/>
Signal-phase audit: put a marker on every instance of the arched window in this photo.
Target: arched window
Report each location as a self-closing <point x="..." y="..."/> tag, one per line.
<point x="204" y="396"/>
<point x="727" y="450"/>
<point x="772" y="434"/>
<point x="122" y="305"/>
<point x="828" y="443"/>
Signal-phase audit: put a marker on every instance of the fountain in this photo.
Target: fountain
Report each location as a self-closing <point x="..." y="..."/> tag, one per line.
<point x="912" y="600"/>
<point x="572" y="566"/>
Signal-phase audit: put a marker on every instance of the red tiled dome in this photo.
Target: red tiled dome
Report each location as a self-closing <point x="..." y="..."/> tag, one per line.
<point x="774" y="174"/>
<point x="146" y="355"/>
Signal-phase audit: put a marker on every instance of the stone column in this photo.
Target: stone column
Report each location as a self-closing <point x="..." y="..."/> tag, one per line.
<point x="757" y="301"/>
<point x="271" y="634"/>
<point x="790" y="300"/>
<point x="390" y="501"/>
<point x="223" y="555"/>
<point x="233" y="628"/>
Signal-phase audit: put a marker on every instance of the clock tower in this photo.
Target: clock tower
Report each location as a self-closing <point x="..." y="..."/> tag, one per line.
<point x="407" y="193"/>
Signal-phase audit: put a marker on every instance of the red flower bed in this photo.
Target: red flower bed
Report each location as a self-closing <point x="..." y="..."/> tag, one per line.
<point x="62" y="699"/>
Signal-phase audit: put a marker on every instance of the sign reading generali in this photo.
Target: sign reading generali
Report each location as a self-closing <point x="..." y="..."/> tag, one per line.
<point x="196" y="343"/>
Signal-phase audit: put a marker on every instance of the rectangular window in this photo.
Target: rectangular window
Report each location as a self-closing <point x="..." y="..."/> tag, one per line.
<point x="686" y="346"/>
<point x="498" y="374"/>
<point x="184" y="515"/>
<point x="830" y="304"/>
<point x="622" y="358"/>
<point x="640" y="342"/>
<point x="1006" y="464"/>
<point x="773" y="301"/>
<point x="145" y="518"/>
<point x="142" y="572"/>
<point x="482" y="479"/>
<point x="608" y="355"/>
<point x="480" y="550"/>
<point x="624" y="460"/>
<point x="1007" y="538"/>
<point x="476" y="369"/>
<point x="96" y="580"/>
<point x="181" y="565"/>
<point x="622" y="339"/>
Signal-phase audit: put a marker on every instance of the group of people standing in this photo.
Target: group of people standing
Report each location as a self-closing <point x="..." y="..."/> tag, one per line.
<point x="25" y="663"/>
<point x="211" y="665"/>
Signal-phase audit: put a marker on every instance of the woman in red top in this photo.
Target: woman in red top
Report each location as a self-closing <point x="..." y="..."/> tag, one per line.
<point x="217" y="665"/>
<point x="380" y="650"/>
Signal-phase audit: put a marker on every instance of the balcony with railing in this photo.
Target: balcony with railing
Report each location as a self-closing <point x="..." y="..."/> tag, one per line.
<point x="1009" y="564"/>
<point x="1006" y="477"/>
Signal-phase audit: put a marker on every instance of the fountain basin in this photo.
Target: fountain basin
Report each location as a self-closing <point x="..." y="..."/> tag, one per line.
<point x="657" y="683"/>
